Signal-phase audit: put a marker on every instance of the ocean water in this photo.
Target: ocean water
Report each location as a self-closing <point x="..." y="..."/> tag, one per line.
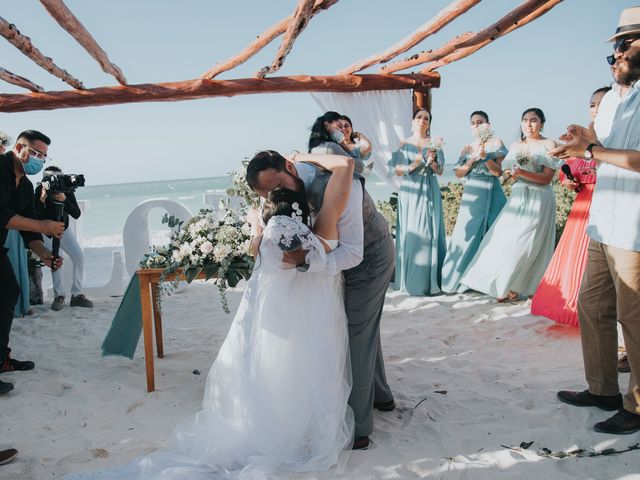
<point x="100" y="226"/>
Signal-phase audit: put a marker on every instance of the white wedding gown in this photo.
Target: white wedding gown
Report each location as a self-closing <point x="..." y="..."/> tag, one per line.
<point x="276" y="395"/>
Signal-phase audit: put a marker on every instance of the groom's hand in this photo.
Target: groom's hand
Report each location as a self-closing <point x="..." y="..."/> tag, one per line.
<point x="297" y="257"/>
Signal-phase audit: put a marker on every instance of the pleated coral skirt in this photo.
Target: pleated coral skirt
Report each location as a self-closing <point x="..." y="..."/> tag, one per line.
<point x="557" y="295"/>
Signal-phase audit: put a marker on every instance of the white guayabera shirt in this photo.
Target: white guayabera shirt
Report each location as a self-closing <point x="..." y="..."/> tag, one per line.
<point x="615" y="209"/>
<point x="606" y="112"/>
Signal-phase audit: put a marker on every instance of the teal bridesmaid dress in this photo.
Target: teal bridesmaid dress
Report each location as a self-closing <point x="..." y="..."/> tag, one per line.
<point x="18" y="257"/>
<point x="420" y="234"/>
<point x="517" y="249"/>
<point x="482" y="201"/>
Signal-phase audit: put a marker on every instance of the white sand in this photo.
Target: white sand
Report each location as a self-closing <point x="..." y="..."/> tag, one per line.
<point x="499" y="365"/>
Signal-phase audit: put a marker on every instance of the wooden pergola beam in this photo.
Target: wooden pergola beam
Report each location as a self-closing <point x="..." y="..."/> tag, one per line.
<point x="516" y="23"/>
<point x="440" y="20"/>
<point x="428" y="56"/>
<point x="67" y="20"/>
<point x="200" y="88"/>
<point x="261" y="41"/>
<point x="301" y="18"/>
<point x="23" y="43"/>
<point x="14" y="79"/>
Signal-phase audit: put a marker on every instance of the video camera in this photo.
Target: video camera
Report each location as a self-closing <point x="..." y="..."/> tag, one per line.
<point x="54" y="184"/>
<point x="61" y="183"/>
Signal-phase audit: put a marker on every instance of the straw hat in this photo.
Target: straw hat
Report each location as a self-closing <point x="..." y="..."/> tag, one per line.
<point x="628" y="24"/>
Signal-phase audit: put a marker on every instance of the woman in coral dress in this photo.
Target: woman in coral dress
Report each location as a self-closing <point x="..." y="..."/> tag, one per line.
<point x="557" y="295"/>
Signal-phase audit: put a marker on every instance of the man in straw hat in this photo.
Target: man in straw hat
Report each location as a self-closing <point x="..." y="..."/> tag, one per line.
<point x="611" y="285"/>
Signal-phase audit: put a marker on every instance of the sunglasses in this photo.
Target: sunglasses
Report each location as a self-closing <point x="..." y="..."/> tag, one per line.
<point x="623" y="44"/>
<point x="37" y="153"/>
<point x="611" y="60"/>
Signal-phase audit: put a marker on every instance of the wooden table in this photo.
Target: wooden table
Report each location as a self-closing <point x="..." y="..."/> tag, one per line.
<point x="151" y="316"/>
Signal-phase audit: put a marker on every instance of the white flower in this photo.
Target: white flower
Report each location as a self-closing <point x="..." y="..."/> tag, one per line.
<point x="206" y="248"/>
<point x="483" y="132"/>
<point x="220" y="252"/>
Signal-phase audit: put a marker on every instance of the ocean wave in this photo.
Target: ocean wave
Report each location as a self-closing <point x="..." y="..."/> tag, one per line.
<point x="157" y="237"/>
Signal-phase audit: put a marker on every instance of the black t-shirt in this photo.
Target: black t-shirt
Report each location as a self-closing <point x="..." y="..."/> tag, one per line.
<point x="14" y="200"/>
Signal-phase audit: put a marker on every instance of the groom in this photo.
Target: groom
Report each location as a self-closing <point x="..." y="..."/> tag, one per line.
<point x="366" y="256"/>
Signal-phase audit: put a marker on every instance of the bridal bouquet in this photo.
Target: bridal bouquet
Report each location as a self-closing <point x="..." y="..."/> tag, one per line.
<point x="240" y="187"/>
<point x="216" y="243"/>
<point x="484" y="132"/>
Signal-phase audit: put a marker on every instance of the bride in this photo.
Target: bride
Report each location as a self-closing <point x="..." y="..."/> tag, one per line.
<point x="276" y="395"/>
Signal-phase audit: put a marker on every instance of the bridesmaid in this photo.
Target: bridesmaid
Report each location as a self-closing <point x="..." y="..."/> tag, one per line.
<point x="420" y="234"/>
<point x="482" y="200"/>
<point x="557" y="295"/>
<point x="517" y="249"/>
<point x="355" y="143"/>
<point x="333" y="133"/>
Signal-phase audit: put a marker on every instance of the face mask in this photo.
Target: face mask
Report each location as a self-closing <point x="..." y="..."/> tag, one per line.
<point x="337" y="136"/>
<point x="33" y="166"/>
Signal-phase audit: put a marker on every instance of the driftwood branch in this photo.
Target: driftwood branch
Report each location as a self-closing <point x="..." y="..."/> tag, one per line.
<point x="498" y="29"/>
<point x="517" y="23"/>
<point x="301" y="18"/>
<point x="442" y="18"/>
<point x="23" y="43"/>
<point x="428" y="56"/>
<point x="67" y="20"/>
<point x="262" y="41"/>
<point x="14" y="79"/>
<point x="200" y="88"/>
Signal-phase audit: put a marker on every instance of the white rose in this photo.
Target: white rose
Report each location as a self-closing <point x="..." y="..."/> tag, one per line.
<point x="206" y="248"/>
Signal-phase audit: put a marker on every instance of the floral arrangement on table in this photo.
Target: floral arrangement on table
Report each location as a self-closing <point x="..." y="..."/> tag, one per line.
<point x="240" y="187"/>
<point x="213" y="242"/>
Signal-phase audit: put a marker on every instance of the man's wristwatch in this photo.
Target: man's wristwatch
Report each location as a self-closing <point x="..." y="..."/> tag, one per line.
<point x="587" y="153"/>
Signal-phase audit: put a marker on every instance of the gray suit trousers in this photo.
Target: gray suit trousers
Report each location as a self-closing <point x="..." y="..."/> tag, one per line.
<point x="365" y="289"/>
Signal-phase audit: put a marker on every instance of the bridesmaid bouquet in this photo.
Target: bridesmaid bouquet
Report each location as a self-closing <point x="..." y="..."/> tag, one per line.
<point x="435" y="144"/>
<point x="523" y="158"/>
<point x="484" y="132"/>
<point x="216" y="243"/>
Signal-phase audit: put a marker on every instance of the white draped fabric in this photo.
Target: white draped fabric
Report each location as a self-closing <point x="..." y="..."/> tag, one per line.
<point x="383" y="116"/>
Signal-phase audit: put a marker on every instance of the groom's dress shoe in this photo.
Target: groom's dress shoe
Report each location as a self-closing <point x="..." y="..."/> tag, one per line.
<point x="360" y="443"/>
<point x="621" y="423"/>
<point x="588" y="399"/>
<point x="385" y="406"/>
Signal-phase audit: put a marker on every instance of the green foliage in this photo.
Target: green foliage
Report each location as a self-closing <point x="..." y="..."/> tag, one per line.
<point x="451" y="198"/>
<point x="564" y="202"/>
<point x="389" y="209"/>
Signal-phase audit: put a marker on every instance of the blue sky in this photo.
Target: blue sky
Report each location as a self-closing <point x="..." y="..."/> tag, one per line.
<point x="553" y="63"/>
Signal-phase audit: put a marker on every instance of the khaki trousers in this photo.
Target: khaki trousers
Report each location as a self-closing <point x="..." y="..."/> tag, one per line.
<point x="610" y="292"/>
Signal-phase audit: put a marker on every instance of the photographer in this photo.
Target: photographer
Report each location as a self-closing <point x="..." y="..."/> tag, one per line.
<point x="17" y="213"/>
<point x="68" y="243"/>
